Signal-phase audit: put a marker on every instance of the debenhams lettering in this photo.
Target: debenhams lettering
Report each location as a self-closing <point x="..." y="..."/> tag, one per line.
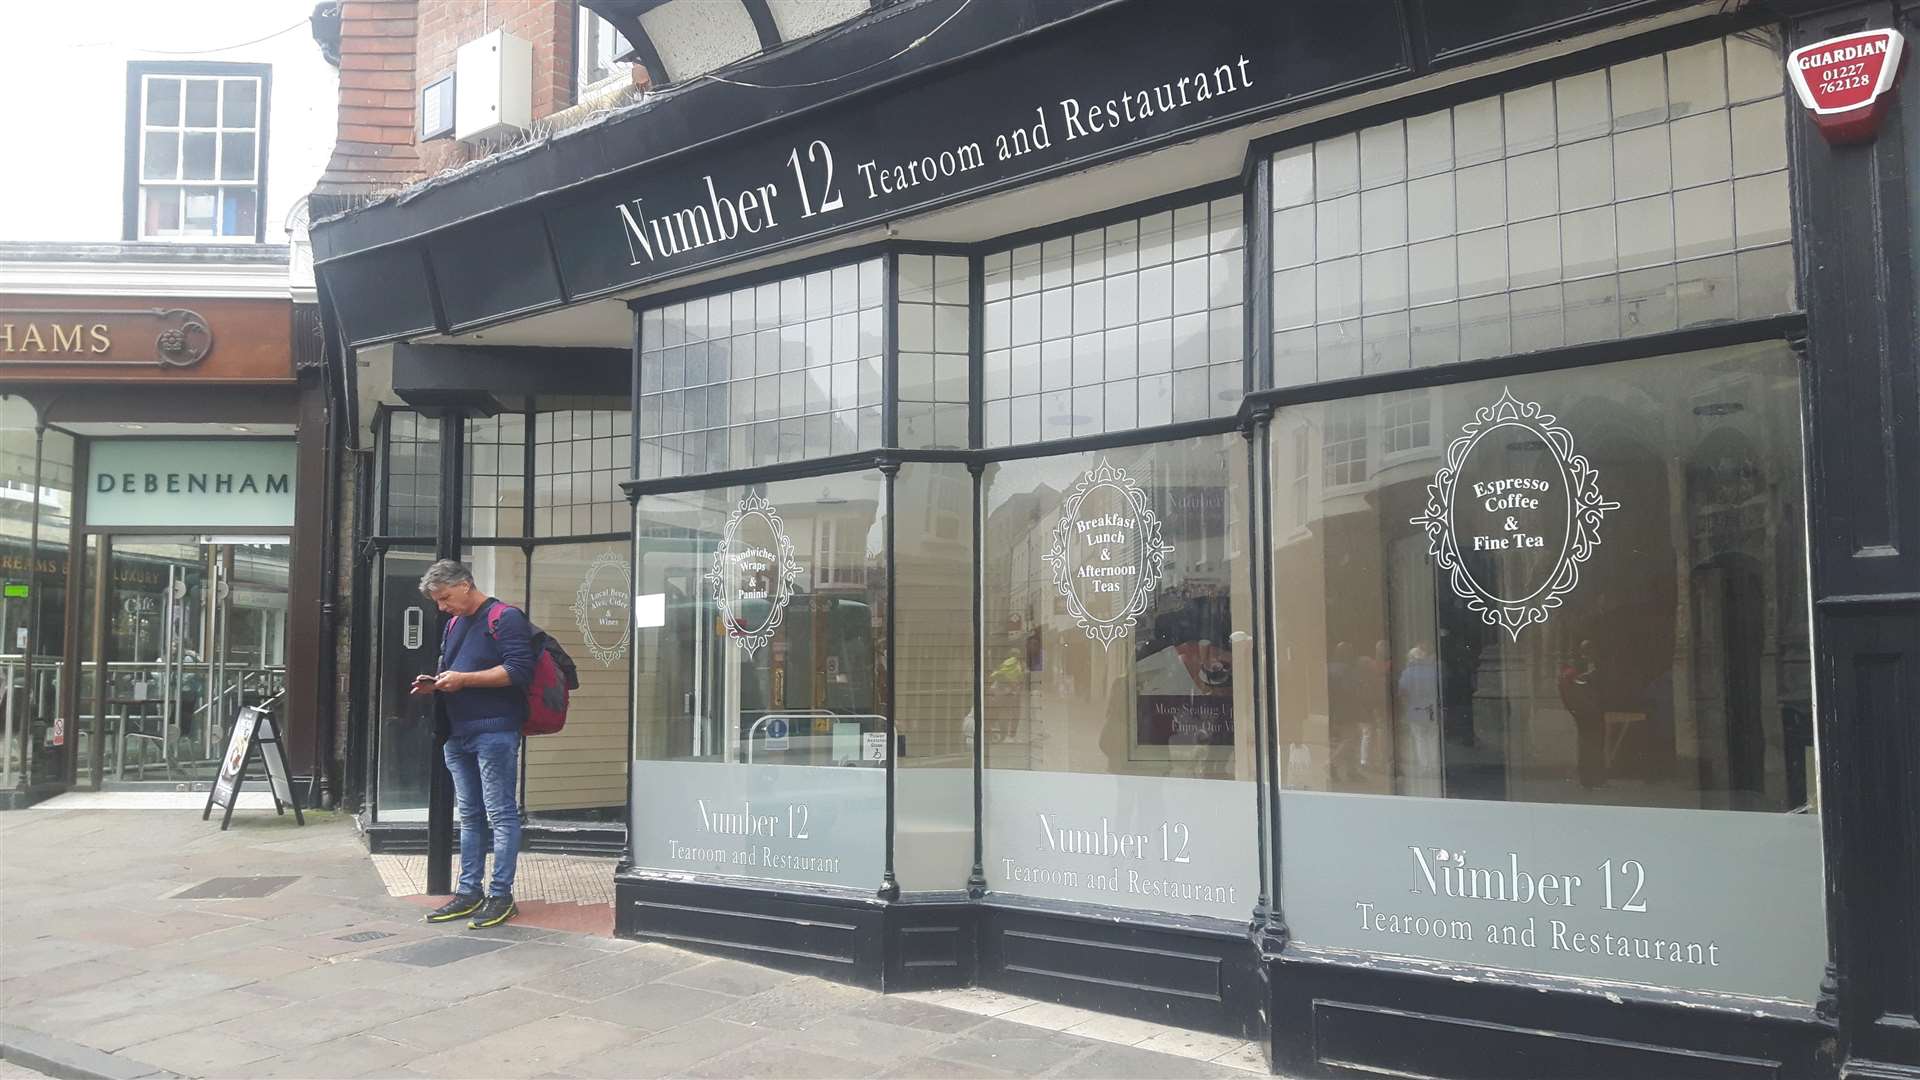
<point x="194" y="483"/>
<point x="56" y="338"/>
<point x="722" y="212"/>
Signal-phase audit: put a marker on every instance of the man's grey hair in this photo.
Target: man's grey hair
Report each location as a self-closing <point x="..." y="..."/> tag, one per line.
<point x="444" y="574"/>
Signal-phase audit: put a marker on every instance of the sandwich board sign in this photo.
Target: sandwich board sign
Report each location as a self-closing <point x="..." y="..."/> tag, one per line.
<point x="254" y="736"/>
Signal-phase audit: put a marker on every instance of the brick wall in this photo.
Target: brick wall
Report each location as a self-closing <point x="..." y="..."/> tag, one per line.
<point x="442" y="26"/>
<point x="389" y="49"/>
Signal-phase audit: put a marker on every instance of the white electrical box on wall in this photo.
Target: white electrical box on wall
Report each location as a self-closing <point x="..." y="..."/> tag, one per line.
<point x="495" y="77"/>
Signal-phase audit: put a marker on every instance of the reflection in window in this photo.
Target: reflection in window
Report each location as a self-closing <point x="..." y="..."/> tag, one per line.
<point x="1160" y="699"/>
<point x="701" y="694"/>
<point x="1344" y="443"/>
<point x="784" y="371"/>
<point x="1404" y="418"/>
<point x="1639" y="198"/>
<point x="1676" y="670"/>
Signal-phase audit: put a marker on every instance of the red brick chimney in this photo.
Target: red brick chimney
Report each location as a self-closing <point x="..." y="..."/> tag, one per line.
<point x="373" y="148"/>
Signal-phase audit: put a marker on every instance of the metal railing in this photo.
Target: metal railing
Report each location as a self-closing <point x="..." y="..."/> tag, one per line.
<point x="808" y="716"/>
<point x="175" y="692"/>
<point x="16" y="752"/>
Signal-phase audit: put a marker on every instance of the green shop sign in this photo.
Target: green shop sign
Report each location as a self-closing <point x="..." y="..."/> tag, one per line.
<point x="190" y="483"/>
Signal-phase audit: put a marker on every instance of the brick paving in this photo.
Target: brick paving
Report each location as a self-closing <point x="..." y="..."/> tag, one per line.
<point x="330" y="975"/>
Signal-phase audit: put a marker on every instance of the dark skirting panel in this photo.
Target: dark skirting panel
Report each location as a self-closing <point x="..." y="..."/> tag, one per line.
<point x="1335" y="1019"/>
<point x="1188" y="976"/>
<point x="932" y="943"/>
<point x="830" y="935"/>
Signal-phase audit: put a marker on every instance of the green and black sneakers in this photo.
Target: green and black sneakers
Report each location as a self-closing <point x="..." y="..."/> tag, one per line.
<point x="461" y="904"/>
<point x="494" y="911"/>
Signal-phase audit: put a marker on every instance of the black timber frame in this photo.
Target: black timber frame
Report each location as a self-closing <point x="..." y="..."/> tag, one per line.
<point x="1856" y="224"/>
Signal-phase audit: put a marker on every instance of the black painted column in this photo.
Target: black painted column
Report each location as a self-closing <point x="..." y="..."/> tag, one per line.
<point x="1856" y="209"/>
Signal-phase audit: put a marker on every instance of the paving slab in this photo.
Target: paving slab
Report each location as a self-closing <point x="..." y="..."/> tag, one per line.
<point x="528" y="1050"/>
<point x="501" y="1009"/>
<point x="655" y="1006"/>
<point x="730" y="977"/>
<point x="330" y="975"/>
<point x="780" y="1063"/>
<point x="199" y="1052"/>
<point x="671" y="1052"/>
<point x="1133" y="1063"/>
<point x="346" y="1056"/>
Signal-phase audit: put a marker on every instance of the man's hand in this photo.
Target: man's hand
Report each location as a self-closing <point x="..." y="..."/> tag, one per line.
<point x="448" y="682"/>
<point x="422" y="686"/>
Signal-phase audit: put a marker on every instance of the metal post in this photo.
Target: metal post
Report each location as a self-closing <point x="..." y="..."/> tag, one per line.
<point x="33" y="599"/>
<point x="889" y="884"/>
<point x="102" y="591"/>
<point x="440" y="786"/>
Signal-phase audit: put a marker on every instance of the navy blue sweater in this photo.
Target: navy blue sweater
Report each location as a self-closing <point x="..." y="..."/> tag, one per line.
<point x="480" y="709"/>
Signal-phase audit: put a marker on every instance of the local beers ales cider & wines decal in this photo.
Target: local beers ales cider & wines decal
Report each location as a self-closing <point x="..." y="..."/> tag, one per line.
<point x="1513" y="514"/>
<point x="753" y="573"/>
<point x="602" y="605"/>
<point x="1107" y="553"/>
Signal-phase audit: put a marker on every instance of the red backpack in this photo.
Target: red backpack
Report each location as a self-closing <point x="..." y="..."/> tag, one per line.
<point x="554" y="674"/>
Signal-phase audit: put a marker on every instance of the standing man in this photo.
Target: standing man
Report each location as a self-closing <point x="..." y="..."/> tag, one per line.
<point x="483" y="678"/>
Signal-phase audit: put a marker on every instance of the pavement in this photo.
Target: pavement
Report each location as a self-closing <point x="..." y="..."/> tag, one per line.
<point x="139" y="943"/>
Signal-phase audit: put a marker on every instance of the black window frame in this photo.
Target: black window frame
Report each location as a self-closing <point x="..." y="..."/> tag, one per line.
<point x="135" y="123"/>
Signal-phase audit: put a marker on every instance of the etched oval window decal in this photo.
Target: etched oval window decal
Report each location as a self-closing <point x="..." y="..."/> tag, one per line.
<point x="1107" y="553"/>
<point x="1513" y="514"/>
<point x="603" y="607"/>
<point x="753" y="573"/>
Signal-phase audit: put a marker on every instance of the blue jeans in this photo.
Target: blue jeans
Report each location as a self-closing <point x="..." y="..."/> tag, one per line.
<point x="486" y="774"/>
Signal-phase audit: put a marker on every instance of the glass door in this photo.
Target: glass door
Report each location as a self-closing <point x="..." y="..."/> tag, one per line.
<point x="191" y="629"/>
<point x="408" y="645"/>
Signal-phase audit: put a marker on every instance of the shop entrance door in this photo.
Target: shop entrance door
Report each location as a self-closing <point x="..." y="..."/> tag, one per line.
<point x="191" y="629"/>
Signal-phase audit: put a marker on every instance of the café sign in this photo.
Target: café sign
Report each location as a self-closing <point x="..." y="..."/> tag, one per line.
<point x="104" y="337"/>
<point x="753" y="573"/>
<point x="1107" y="553"/>
<point x="1513" y="514"/>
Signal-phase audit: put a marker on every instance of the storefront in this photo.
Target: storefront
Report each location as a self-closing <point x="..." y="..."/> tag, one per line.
<point x="1388" y="530"/>
<point x="155" y="457"/>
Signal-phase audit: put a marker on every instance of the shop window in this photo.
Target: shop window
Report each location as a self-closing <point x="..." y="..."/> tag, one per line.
<point x="1644" y="197"/>
<point x="934" y="341"/>
<point x="1119" y="742"/>
<point x="934" y="634"/>
<point x="36" y="591"/>
<point x="582" y="451"/>
<point x="1133" y="325"/>
<point x="582" y="595"/>
<point x="412" y="475"/>
<point x="760" y="734"/>
<point x="784" y="371"/>
<point x="196" y="166"/>
<point x="1544" y="678"/>
<point x="495" y="476"/>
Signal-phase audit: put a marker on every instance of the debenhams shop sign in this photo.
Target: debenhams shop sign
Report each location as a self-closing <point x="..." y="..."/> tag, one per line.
<point x="190" y="483"/>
